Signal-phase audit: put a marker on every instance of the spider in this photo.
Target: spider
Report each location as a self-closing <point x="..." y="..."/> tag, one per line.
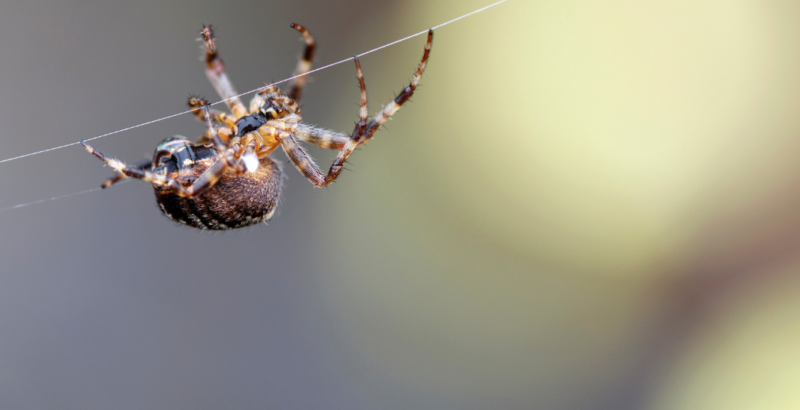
<point x="226" y="179"/>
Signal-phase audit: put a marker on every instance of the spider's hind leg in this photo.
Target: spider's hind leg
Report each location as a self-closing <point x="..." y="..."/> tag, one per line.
<point x="204" y="181"/>
<point x="133" y="172"/>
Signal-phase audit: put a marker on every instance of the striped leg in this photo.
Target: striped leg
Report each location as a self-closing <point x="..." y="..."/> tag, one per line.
<point x="207" y="179"/>
<point x="215" y="70"/>
<point x="143" y="164"/>
<point x="321" y="137"/>
<point x="196" y="104"/>
<point x="304" y="64"/>
<point x="364" y="131"/>
<point x="303" y="161"/>
<point x="395" y="105"/>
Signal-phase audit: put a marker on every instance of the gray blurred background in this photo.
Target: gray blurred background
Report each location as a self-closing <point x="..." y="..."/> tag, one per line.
<point x="587" y="206"/>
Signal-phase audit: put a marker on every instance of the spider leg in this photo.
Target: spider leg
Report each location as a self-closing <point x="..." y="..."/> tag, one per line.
<point x="196" y="104"/>
<point x="304" y="64"/>
<point x="218" y="136"/>
<point x="303" y="161"/>
<point x="283" y="132"/>
<point x="143" y="164"/>
<point x="215" y="70"/>
<point x="395" y="104"/>
<point x="364" y="131"/>
<point x="228" y="159"/>
<point x="278" y="130"/>
<point x="335" y="140"/>
<point x="207" y="179"/>
<point x="158" y="180"/>
<point x="321" y="137"/>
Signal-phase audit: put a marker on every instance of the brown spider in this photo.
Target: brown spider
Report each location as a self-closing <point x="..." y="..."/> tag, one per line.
<point x="226" y="179"/>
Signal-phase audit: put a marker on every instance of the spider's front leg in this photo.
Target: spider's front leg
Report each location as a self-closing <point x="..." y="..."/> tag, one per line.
<point x="196" y="105"/>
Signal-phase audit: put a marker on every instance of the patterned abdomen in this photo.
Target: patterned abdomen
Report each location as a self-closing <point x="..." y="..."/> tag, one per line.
<point x="234" y="201"/>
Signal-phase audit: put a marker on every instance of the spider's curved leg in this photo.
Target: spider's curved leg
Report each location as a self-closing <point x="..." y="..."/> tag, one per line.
<point x="324" y="138"/>
<point x="395" y="104"/>
<point x="285" y="133"/>
<point x="215" y="70"/>
<point x="207" y="179"/>
<point x="304" y="64"/>
<point x="363" y="131"/>
<point x="336" y="140"/>
<point x="196" y="105"/>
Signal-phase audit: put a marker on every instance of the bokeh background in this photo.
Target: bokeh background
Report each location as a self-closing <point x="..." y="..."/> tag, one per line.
<point x="588" y="205"/>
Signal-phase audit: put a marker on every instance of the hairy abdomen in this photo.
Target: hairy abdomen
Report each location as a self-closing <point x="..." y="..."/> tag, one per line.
<point x="234" y="201"/>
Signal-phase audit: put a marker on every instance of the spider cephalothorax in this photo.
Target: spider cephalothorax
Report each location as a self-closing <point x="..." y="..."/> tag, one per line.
<point x="274" y="106"/>
<point x="226" y="179"/>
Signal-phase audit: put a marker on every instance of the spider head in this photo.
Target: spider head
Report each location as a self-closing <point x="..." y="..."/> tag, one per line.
<point x="274" y="104"/>
<point x="272" y="111"/>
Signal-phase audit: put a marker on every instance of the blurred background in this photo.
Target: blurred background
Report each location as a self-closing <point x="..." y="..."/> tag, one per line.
<point x="587" y="206"/>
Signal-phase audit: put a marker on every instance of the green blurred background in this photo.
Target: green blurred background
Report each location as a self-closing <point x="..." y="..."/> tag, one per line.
<point x="588" y="205"/>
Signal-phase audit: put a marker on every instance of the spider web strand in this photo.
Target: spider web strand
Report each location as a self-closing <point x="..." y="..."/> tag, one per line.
<point x="50" y="199"/>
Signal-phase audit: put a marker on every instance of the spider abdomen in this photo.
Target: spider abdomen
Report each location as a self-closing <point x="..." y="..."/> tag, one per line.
<point x="235" y="201"/>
